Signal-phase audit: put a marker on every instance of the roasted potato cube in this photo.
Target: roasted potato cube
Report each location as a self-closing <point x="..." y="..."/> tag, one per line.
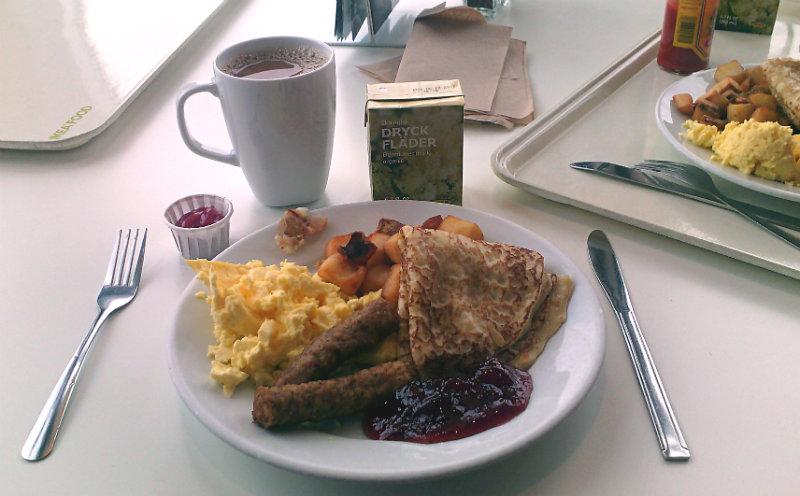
<point x="746" y="84"/>
<point x="392" y="248"/>
<point x="732" y="69"/>
<point x="764" y="100"/>
<point x="391" y="288"/>
<point x="718" y="123"/>
<point x="758" y="89"/>
<point x="684" y="103"/>
<point x="704" y="108"/>
<point x="763" y="114"/>
<point x="432" y="222"/>
<point x="338" y="270"/>
<point x="460" y="226"/>
<point x="358" y="249"/>
<point x="379" y="257"/>
<point x="718" y="101"/>
<point x="756" y="74"/>
<point x="740" y="99"/>
<point x="388" y="226"/>
<point x="740" y="112"/>
<point x="375" y="278"/>
<point x="333" y="244"/>
<point x="733" y="97"/>
<point x="727" y="84"/>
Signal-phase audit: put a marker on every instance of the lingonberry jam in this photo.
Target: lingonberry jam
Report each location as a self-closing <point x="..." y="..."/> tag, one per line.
<point x="199" y="217"/>
<point x="443" y="409"/>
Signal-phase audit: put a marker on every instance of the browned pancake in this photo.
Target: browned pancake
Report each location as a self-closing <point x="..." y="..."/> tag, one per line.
<point x="465" y="299"/>
<point x="524" y="352"/>
<point x="783" y="78"/>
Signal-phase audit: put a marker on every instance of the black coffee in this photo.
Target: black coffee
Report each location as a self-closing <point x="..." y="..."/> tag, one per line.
<point x="275" y="64"/>
<point x="268" y="69"/>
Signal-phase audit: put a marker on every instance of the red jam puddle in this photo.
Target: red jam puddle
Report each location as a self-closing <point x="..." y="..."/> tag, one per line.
<point x="444" y="409"/>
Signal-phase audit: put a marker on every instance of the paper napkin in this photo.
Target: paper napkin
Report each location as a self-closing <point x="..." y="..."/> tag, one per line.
<point x="458" y="43"/>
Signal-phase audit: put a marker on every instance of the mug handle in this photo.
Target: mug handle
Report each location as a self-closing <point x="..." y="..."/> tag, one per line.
<point x="194" y="145"/>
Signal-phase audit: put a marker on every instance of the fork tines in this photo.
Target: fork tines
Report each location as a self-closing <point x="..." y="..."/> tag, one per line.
<point x="125" y="266"/>
<point x="663" y="164"/>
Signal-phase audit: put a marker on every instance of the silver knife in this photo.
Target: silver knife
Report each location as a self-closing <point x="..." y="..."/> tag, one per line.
<point x="606" y="268"/>
<point x="661" y="183"/>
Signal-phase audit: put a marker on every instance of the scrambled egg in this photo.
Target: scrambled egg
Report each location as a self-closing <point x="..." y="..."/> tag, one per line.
<point x="765" y="149"/>
<point x="265" y="315"/>
<point x="700" y="134"/>
<point x="760" y="148"/>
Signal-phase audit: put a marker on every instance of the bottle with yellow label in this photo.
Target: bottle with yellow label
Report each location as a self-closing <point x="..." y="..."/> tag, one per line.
<point x="686" y="35"/>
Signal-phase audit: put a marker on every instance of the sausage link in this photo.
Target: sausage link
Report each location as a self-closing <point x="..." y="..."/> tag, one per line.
<point x="319" y="400"/>
<point x="362" y="330"/>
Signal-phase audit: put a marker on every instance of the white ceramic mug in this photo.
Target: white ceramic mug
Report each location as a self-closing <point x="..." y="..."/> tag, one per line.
<point x="281" y="129"/>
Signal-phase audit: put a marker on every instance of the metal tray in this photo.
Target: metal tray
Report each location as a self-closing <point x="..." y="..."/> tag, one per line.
<point x="611" y="119"/>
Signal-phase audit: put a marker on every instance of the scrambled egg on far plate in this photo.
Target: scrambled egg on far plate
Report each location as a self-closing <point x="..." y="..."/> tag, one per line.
<point x="764" y="149"/>
<point x="265" y="315"/>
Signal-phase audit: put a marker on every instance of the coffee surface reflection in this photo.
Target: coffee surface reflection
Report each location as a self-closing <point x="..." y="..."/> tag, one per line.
<point x="279" y="63"/>
<point x="269" y="69"/>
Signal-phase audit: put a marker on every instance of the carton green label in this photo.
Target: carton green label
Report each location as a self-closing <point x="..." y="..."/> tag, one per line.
<point x="416" y="153"/>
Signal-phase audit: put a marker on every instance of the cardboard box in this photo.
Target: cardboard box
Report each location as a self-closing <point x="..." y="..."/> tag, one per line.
<point x="747" y="16"/>
<point x="416" y="140"/>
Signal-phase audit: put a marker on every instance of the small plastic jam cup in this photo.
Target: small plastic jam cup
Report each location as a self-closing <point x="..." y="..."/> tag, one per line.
<point x="205" y="241"/>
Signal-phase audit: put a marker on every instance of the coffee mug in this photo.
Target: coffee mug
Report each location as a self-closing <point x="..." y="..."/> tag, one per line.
<point x="278" y="98"/>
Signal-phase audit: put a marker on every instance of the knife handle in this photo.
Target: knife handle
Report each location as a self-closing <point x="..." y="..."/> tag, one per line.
<point x="673" y="446"/>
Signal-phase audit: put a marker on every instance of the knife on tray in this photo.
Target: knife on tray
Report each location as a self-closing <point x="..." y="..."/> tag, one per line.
<point x="656" y="181"/>
<point x="607" y="270"/>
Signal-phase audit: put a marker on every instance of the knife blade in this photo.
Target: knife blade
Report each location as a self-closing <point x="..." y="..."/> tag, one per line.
<point x="606" y="268"/>
<point x="656" y="181"/>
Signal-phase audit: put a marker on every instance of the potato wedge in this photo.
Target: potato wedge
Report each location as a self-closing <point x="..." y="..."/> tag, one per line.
<point x="379" y="257"/>
<point x="684" y="103"/>
<point x="726" y="84"/>
<point x="338" y="270"/>
<point x="746" y="84"/>
<point x="756" y="74"/>
<point x="764" y="100"/>
<point x="391" y="288"/>
<point x="704" y="108"/>
<point x="763" y="114"/>
<point x="720" y="102"/>
<point x="710" y="121"/>
<point x="388" y="226"/>
<point x="333" y="244"/>
<point x="375" y="278"/>
<point x="740" y="112"/>
<point x="432" y="222"/>
<point x="732" y="69"/>
<point x="392" y="248"/>
<point x="460" y="226"/>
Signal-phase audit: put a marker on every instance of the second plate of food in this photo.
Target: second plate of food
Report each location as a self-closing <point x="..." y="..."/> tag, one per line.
<point x="670" y="123"/>
<point x="562" y="375"/>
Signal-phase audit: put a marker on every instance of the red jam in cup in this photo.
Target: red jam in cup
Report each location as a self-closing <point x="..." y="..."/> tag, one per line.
<point x="444" y="409"/>
<point x="199" y="217"/>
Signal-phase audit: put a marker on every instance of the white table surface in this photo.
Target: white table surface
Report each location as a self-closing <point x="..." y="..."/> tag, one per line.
<point x="725" y="335"/>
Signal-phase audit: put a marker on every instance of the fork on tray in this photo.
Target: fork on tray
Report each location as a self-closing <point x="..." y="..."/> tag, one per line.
<point x="119" y="288"/>
<point x="701" y="180"/>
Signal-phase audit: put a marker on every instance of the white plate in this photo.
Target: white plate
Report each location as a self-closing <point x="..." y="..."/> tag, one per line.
<point x="562" y="375"/>
<point x="670" y="122"/>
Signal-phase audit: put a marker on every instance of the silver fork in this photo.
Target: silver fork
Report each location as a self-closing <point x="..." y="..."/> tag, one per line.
<point x="700" y="179"/>
<point x="119" y="288"/>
